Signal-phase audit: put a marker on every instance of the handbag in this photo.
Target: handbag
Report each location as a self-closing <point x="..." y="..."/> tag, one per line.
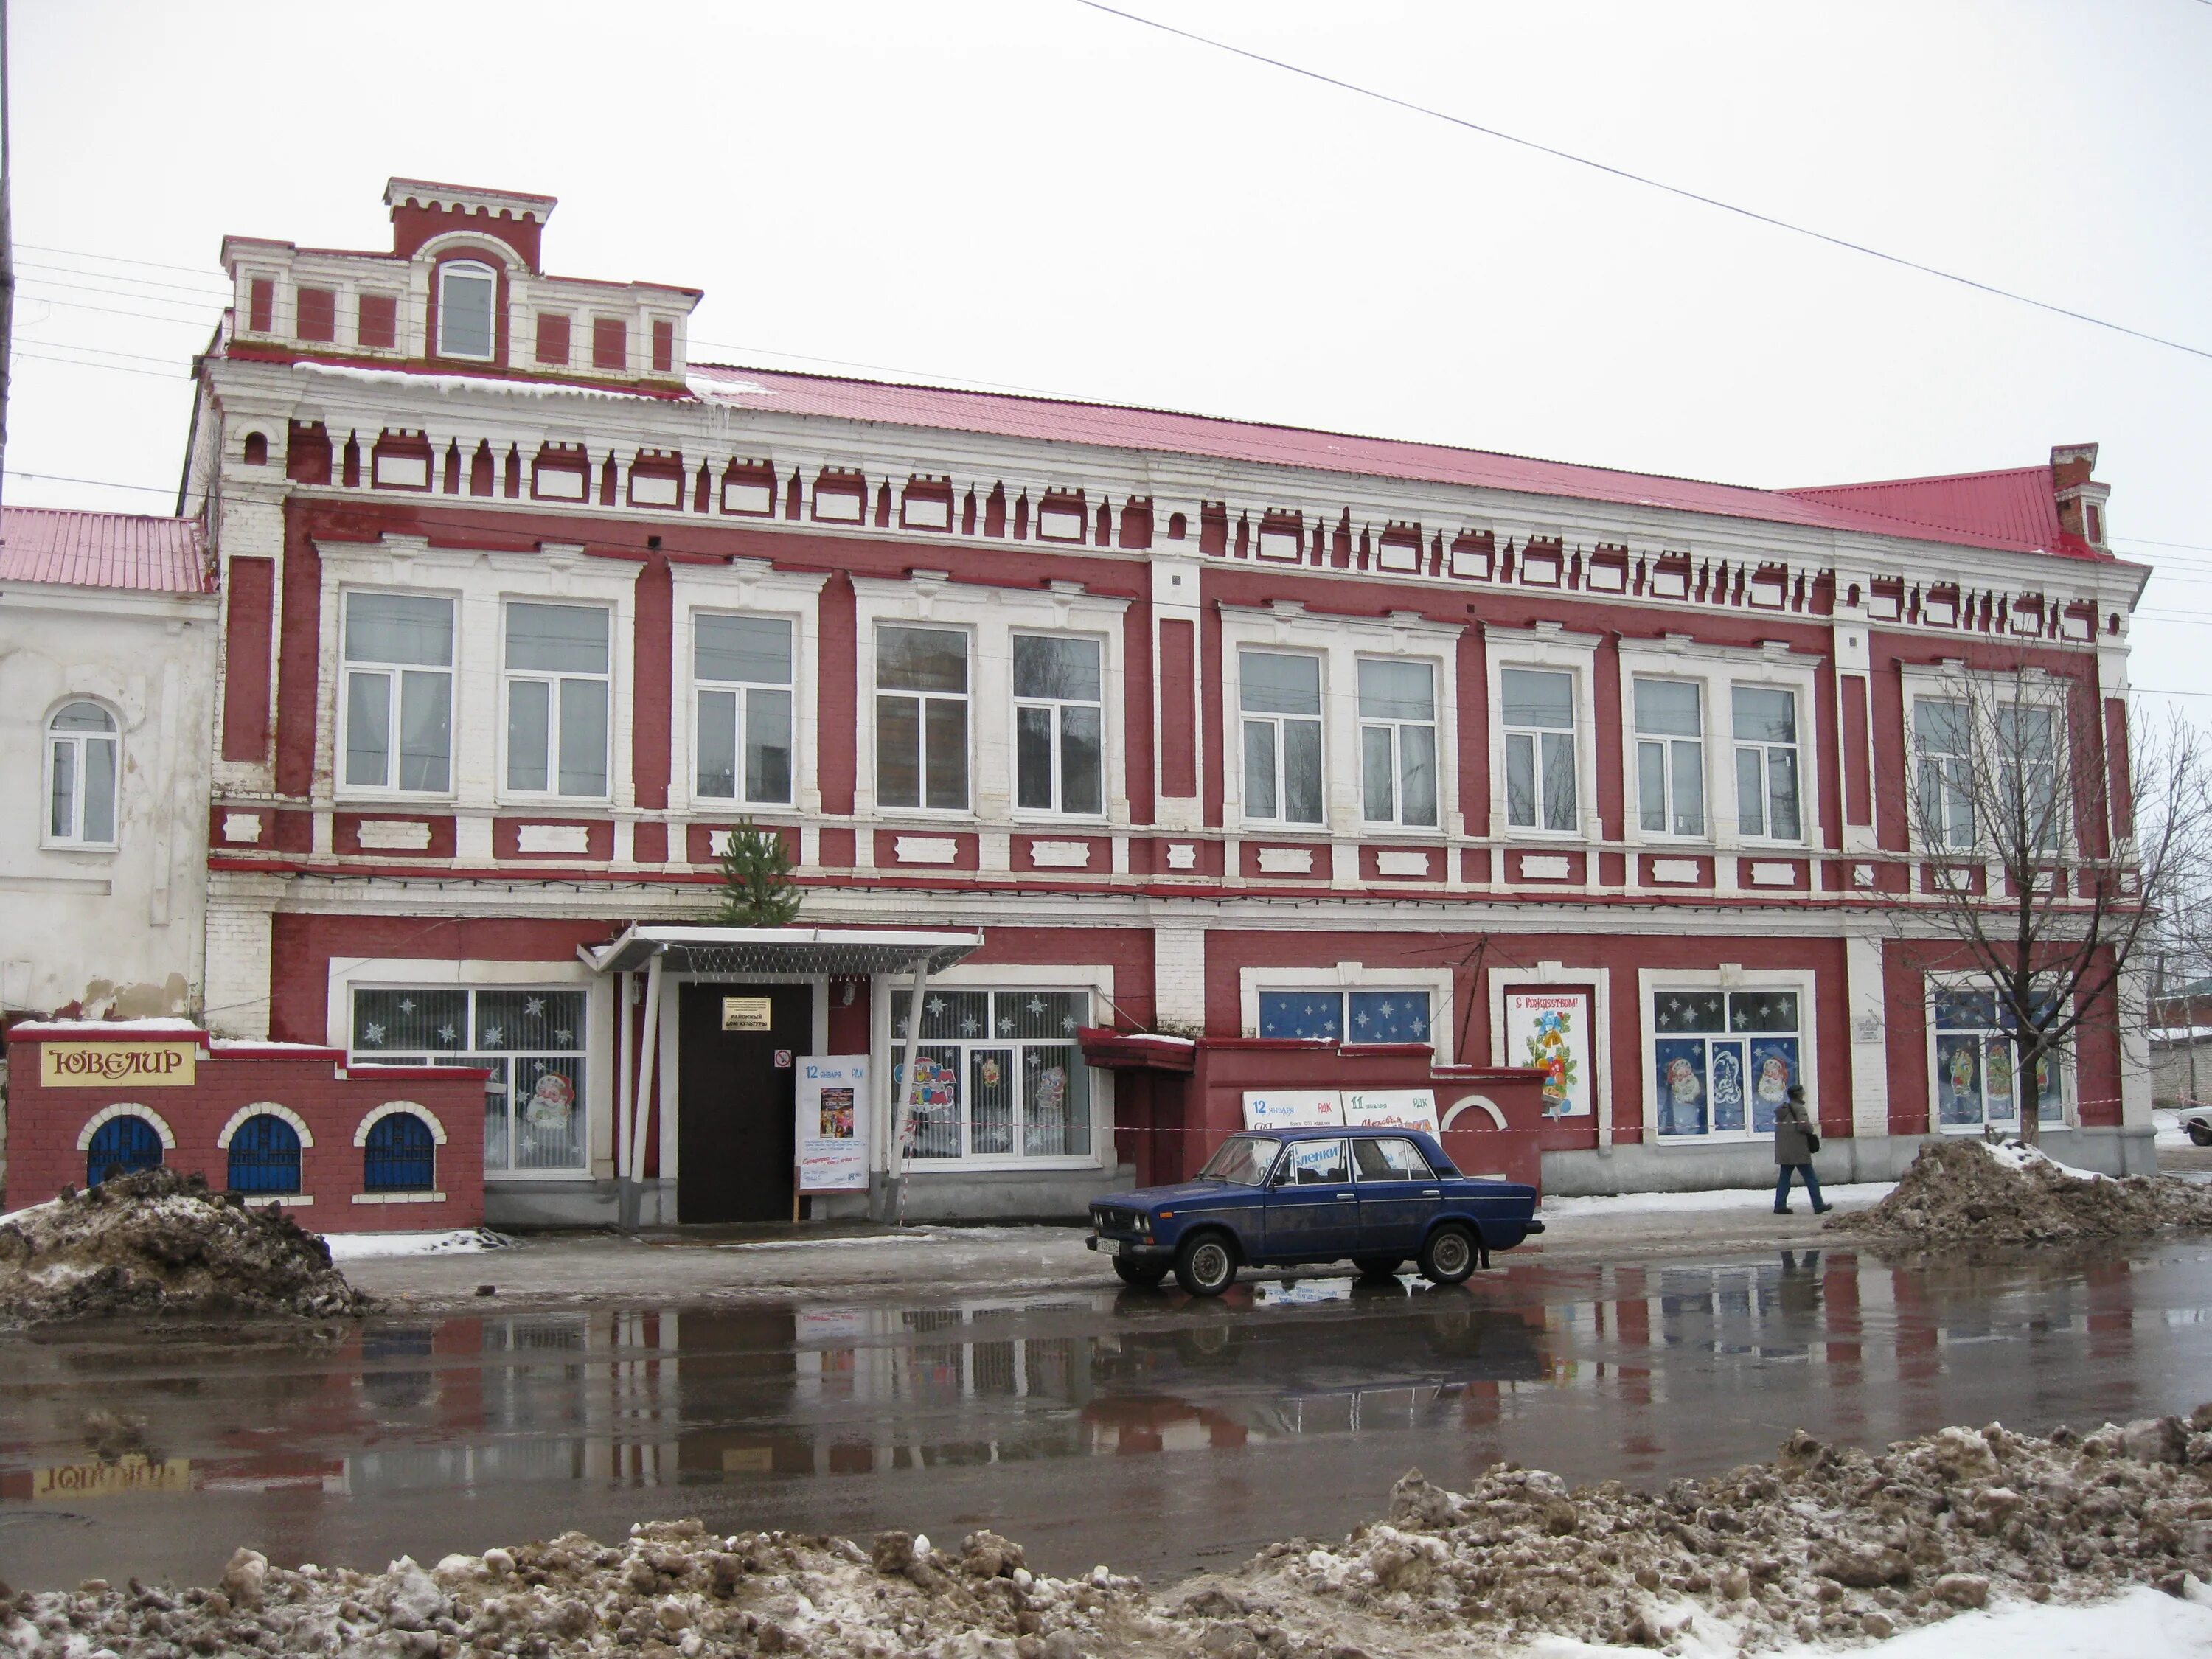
<point x="1812" y="1141"/>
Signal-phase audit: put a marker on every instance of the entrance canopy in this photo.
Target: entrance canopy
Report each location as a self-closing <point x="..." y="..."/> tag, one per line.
<point x="846" y="952"/>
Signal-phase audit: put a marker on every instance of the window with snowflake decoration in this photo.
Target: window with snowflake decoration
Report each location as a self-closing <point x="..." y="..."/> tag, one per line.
<point x="998" y="1074"/>
<point x="1386" y="1016"/>
<point x="531" y="1042"/>
<point x="1723" y="1060"/>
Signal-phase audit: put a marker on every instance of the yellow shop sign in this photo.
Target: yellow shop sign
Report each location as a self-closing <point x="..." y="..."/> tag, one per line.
<point x="118" y="1065"/>
<point x="131" y="1473"/>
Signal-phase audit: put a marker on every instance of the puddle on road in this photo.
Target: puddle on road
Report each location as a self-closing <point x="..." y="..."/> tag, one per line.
<point x="1633" y="1371"/>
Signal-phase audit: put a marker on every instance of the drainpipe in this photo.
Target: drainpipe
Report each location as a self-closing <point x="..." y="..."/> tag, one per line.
<point x="648" y="1047"/>
<point x="625" y="1078"/>
<point x="903" y="1118"/>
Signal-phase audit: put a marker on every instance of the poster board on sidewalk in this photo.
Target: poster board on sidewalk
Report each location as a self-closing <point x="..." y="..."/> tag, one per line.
<point x="1391" y="1109"/>
<point x="1292" y="1108"/>
<point x="832" y="1131"/>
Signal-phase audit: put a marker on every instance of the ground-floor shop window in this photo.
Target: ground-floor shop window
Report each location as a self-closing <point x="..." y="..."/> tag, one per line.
<point x="1976" y="1063"/>
<point x="531" y="1041"/>
<point x="998" y="1075"/>
<point x="264" y="1155"/>
<point x="399" y="1155"/>
<point x="122" y="1145"/>
<point x="1724" y="1060"/>
<point x="1381" y="1016"/>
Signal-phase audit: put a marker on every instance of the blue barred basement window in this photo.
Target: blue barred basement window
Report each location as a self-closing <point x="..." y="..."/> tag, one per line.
<point x="122" y="1145"/>
<point x="264" y="1155"/>
<point x="1396" y="1016"/>
<point x="400" y="1156"/>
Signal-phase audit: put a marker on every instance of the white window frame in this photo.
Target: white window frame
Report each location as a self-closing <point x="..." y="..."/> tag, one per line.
<point x="553" y="680"/>
<point x="1725" y="979"/>
<point x="990" y="616"/>
<point x="472" y="269"/>
<point x="752" y="587"/>
<point x="478" y="582"/>
<point x="1279" y="818"/>
<point x="1948" y="684"/>
<point x="889" y="1003"/>
<point x="74" y="840"/>
<point x="1717" y="668"/>
<point x="1798" y="748"/>
<point x="485" y="974"/>
<point x="1938" y="984"/>
<point x="871" y="659"/>
<point x="1637" y="741"/>
<point x="741" y="693"/>
<point x="1539" y="739"/>
<point x="390" y="789"/>
<point x="1546" y="648"/>
<point x="1396" y="730"/>
<point x="1057" y="812"/>
<point x="1342" y="977"/>
<point x="1286" y="627"/>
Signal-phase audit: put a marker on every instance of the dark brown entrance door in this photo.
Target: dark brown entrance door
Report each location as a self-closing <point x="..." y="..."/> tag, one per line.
<point x="734" y="1103"/>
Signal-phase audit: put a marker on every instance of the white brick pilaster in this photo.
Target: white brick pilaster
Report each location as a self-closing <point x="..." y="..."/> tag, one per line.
<point x="1179" y="974"/>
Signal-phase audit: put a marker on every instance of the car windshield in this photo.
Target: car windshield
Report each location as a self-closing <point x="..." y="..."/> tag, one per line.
<point x="1243" y="1161"/>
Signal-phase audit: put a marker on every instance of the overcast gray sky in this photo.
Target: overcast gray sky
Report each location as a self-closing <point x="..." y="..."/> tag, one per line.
<point x="1031" y="194"/>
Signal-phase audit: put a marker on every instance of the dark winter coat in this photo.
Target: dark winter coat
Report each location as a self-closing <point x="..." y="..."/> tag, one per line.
<point x="1793" y="1134"/>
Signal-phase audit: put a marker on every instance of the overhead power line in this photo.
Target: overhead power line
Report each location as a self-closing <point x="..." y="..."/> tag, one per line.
<point x="1645" y="179"/>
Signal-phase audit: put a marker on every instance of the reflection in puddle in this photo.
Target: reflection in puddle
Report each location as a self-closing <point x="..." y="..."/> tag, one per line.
<point x="488" y="1406"/>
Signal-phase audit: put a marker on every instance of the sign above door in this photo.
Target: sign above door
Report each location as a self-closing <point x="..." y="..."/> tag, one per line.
<point x="744" y="1013"/>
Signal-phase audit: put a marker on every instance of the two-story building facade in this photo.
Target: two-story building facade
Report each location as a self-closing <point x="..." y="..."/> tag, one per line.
<point x="1211" y="729"/>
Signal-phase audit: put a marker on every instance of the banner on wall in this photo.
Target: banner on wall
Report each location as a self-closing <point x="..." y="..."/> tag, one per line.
<point x="832" y="1131"/>
<point x="1292" y="1108"/>
<point x="1391" y="1109"/>
<point x="1550" y="1030"/>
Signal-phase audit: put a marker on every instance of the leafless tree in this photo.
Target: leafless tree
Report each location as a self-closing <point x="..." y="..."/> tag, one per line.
<point x="2054" y="853"/>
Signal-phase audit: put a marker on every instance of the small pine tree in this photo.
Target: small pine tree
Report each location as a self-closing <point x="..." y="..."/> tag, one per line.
<point x="757" y="890"/>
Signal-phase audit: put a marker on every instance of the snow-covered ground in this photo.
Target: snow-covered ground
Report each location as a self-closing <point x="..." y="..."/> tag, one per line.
<point x="465" y="1240"/>
<point x="1726" y="1198"/>
<point x="2144" y="1624"/>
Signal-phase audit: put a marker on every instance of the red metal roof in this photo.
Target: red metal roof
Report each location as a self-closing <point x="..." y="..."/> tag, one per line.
<point x="103" y="550"/>
<point x="1965" y="512"/>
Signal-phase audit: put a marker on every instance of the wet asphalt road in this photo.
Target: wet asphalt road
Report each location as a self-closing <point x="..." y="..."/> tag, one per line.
<point x="1144" y="1430"/>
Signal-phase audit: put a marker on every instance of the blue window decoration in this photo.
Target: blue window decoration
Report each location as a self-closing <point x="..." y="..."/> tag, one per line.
<point x="1399" y="1016"/>
<point x="1724" y="1061"/>
<point x="264" y="1155"/>
<point x="122" y="1145"/>
<point x="400" y="1156"/>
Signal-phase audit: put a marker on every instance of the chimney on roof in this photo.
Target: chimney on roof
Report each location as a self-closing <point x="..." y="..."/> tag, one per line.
<point x="422" y="211"/>
<point x="2080" y="497"/>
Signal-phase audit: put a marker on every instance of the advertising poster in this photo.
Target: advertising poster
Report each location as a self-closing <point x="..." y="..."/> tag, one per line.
<point x="1390" y="1108"/>
<point x="832" y="1132"/>
<point x="1292" y="1108"/>
<point x="1550" y="1031"/>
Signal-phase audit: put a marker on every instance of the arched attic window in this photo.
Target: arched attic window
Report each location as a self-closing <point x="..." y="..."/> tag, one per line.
<point x="82" y="763"/>
<point x="467" y="295"/>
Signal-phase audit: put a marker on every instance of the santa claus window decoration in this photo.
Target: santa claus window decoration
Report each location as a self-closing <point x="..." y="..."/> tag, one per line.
<point x="1724" y="1060"/>
<point x="531" y="1042"/>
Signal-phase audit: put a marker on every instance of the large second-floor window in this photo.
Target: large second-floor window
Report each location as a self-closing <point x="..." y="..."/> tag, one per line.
<point x="1766" y="763"/>
<point x="741" y="667"/>
<point x="1398" y="742"/>
<point x="1670" y="757"/>
<point x="1059" y="725"/>
<point x="81" y="749"/>
<point x="557" y="699"/>
<point x="1943" y="786"/>
<point x="1280" y="695"/>
<point x="1537" y="711"/>
<point x="922" y="718"/>
<point x="466" y="295"/>
<point x="2025" y="740"/>
<point x="396" y="715"/>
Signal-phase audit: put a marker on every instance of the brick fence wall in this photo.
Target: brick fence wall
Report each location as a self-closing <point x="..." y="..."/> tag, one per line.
<point x="48" y="1125"/>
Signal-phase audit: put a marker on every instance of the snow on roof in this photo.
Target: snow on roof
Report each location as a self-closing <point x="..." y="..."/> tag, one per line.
<point x="1993" y="510"/>
<point x="103" y="550"/>
<point x="162" y="1027"/>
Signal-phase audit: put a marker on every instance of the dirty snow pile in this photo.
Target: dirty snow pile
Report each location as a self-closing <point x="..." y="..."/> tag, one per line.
<point x="1973" y="1192"/>
<point x="160" y="1242"/>
<point x="1824" y="1544"/>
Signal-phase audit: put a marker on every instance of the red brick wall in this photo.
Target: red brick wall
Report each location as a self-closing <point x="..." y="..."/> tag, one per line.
<point x="44" y="1125"/>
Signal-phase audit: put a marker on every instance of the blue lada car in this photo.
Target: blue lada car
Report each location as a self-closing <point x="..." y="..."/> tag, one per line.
<point x="1277" y="1198"/>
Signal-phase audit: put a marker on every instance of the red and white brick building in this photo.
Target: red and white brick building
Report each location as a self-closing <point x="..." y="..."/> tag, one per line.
<point x="1208" y="729"/>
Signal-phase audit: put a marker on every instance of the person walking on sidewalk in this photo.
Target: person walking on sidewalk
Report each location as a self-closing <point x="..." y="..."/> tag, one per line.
<point x="1795" y="1140"/>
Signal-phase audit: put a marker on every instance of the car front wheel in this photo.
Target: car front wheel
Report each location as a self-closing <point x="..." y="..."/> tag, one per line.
<point x="2200" y="1132"/>
<point x="1448" y="1256"/>
<point x="1144" y="1275"/>
<point x="1205" y="1265"/>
